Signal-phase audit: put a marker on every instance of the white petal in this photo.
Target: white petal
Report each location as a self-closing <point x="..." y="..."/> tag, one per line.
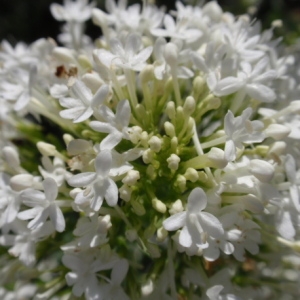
<point x="113" y="139"/>
<point x="50" y="189"/>
<point x="100" y="96"/>
<point x="230" y="151"/>
<point x="132" y="45"/>
<point x="57" y="218"/>
<point x="29" y="213"/>
<point x="284" y="225"/>
<point x="185" y="239"/>
<point x="72" y="113"/>
<point x="103" y="163"/>
<point x="84" y="115"/>
<point x="58" y="91"/>
<point x="142" y="56"/>
<point x="39" y="220"/>
<point x="32" y="197"/>
<point x="101" y="126"/>
<point x="80" y="91"/>
<point x="57" y="11"/>
<point x="197" y="200"/>
<point x="175" y="222"/>
<point x="227" y="86"/>
<point x="211" y="225"/>
<point x="119" y="271"/>
<point x="111" y="193"/>
<point x="70" y="102"/>
<point x="123" y="113"/>
<point x="82" y="179"/>
<point x="260" y="92"/>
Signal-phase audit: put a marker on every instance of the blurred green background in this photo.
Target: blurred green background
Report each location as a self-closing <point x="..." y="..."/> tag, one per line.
<point x="28" y="20"/>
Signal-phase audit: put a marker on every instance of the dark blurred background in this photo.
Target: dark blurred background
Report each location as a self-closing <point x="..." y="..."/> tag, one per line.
<point x="28" y="20"/>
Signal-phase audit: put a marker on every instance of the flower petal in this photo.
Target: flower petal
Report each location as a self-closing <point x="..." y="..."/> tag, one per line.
<point x="50" y="189"/>
<point x="175" y="222"/>
<point x="82" y="179"/>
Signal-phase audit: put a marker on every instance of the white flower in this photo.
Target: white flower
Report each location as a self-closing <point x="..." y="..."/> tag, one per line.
<point x="129" y="56"/>
<point x="43" y="206"/>
<point x="250" y="80"/>
<point x="113" y="290"/>
<point x="18" y="91"/>
<point x="56" y="170"/>
<point x="162" y="68"/>
<point x="92" y="231"/>
<point x="78" y="10"/>
<point x="20" y="56"/>
<point x="24" y="242"/>
<point x="179" y="30"/>
<point x="116" y="124"/>
<point x="84" y="266"/>
<point x="240" y="130"/>
<point x="99" y="185"/>
<point x="196" y="224"/>
<point x="240" y="41"/>
<point x="81" y="103"/>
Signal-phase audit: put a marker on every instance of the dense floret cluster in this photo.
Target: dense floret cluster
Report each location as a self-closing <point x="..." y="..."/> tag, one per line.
<point x="160" y="161"/>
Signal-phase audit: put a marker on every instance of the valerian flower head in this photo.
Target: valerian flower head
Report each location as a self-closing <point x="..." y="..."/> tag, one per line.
<point x="165" y="150"/>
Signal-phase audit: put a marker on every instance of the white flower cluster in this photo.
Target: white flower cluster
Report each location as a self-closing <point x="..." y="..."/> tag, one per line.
<point x="160" y="161"/>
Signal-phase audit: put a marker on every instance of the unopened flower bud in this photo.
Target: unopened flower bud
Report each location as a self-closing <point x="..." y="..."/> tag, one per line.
<point x="64" y="55"/>
<point x="170" y="129"/>
<point x="148" y="156"/>
<point x="261" y="169"/>
<point x="11" y="157"/>
<point x="295" y="106"/>
<point x="135" y="134"/>
<point x="173" y="162"/>
<point x="23" y="181"/>
<point x="170" y="110"/>
<point x="151" y="172"/>
<point x="159" y="205"/>
<point x="93" y="81"/>
<point x="277" y="148"/>
<point x="125" y="192"/>
<point x="155" y="143"/>
<point x="74" y="192"/>
<point x="191" y="174"/>
<point x="147" y="73"/>
<point x="67" y="138"/>
<point x="46" y="149"/>
<point x="144" y="138"/>
<point x="181" y="183"/>
<point x="216" y="155"/>
<point x="161" y="234"/>
<point x="176" y="207"/>
<point x="277" y="131"/>
<point x="84" y="62"/>
<point x="189" y="105"/>
<point x="277" y="23"/>
<point x="198" y="85"/>
<point x="131" y="178"/>
<point x="171" y="54"/>
<point x="147" y="288"/>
